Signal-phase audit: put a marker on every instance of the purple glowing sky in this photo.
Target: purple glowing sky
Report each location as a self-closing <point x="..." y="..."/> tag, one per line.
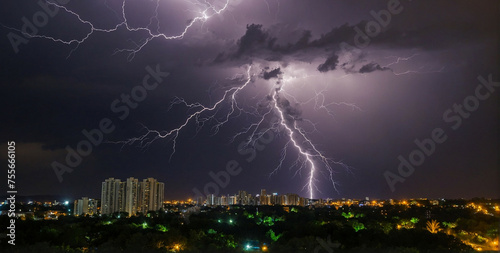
<point x="360" y="107"/>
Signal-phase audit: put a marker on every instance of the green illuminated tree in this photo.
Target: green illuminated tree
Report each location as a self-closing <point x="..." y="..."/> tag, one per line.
<point x="272" y="235"/>
<point x="347" y="215"/>
<point x="407" y="224"/>
<point x="358" y="226"/>
<point x="268" y="221"/>
<point x="161" y="228"/>
<point x="449" y="226"/>
<point x="414" y="220"/>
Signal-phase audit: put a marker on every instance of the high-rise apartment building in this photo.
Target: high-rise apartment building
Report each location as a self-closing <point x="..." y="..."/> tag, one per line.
<point x="243" y="198"/>
<point x="151" y="194"/>
<point x="232" y="200"/>
<point x="263" y="197"/>
<point x="131" y="196"/>
<point x="111" y="199"/>
<point x="210" y="200"/>
<point x="292" y="199"/>
<point x="131" y="192"/>
<point x="85" y="206"/>
<point x="81" y="206"/>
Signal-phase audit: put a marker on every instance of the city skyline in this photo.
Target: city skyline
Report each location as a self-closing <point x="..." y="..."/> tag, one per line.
<point x="455" y="225"/>
<point x="255" y="195"/>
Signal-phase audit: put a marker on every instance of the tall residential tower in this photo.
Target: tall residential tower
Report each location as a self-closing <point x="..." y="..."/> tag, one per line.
<point x="131" y="196"/>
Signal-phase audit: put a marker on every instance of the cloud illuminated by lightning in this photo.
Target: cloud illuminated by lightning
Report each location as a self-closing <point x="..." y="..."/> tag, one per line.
<point x="309" y="157"/>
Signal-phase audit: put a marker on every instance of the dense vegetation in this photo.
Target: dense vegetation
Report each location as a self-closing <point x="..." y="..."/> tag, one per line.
<point x="262" y="228"/>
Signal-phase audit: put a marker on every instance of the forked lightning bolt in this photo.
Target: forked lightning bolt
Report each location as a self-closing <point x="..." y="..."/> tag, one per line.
<point x="202" y="115"/>
<point x="308" y="153"/>
<point x="208" y="11"/>
<point x="309" y="157"/>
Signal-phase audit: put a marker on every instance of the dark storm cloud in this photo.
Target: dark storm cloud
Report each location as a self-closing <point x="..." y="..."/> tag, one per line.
<point x="329" y="64"/>
<point x="436" y="31"/>
<point x="371" y="67"/>
<point x="254" y="38"/>
<point x="258" y="42"/>
<point x="271" y="74"/>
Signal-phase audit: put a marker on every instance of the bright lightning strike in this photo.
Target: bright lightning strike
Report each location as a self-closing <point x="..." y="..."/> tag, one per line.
<point x="208" y="12"/>
<point x="199" y="117"/>
<point x="303" y="145"/>
<point x="309" y="157"/>
<point x="304" y="153"/>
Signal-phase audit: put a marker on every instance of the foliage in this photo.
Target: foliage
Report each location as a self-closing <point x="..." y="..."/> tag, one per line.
<point x="161" y="228"/>
<point x="386" y="227"/>
<point x="358" y="226"/>
<point x="414" y="220"/>
<point x="360" y="215"/>
<point x="406" y="224"/>
<point x="272" y="235"/>
<point x="433" y="226"/>
<point x="449" y="224"/>
<point x="355" y="229"/>
<point x="347" y="215"/>
<point x="268" y="221"/>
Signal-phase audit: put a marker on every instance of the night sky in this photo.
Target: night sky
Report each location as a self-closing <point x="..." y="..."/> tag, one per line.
<point x="363" y="105"/>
